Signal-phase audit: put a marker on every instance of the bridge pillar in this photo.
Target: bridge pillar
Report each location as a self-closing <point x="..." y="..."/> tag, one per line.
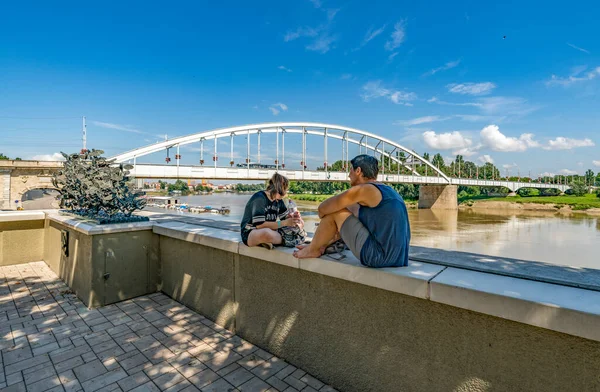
<point x="5" y="189"/>
<point x="438" y="197"/>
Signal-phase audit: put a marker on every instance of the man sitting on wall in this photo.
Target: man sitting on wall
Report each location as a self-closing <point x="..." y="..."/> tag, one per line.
<point x="370" y="217"/>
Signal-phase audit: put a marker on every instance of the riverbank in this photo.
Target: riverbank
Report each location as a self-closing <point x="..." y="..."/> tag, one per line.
<point x="589" y="204"/>
<point x="320" y="198"/>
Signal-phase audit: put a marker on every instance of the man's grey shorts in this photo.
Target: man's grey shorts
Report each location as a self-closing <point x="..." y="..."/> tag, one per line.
<point x="354" y="234"/>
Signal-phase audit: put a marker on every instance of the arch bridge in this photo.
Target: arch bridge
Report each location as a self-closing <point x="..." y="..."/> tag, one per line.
<point x="388" y="152"/>
<point x="17" y="177"/>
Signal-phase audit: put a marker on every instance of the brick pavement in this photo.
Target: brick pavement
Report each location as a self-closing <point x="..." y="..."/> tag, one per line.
<point x="49" y="341"/>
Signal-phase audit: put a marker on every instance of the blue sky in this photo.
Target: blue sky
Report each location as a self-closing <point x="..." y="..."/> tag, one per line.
<point x="433" y="76"/>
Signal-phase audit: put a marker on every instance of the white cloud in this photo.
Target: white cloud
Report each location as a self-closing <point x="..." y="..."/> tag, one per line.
<point x="331" y="13"/>
<point x="485" y="159"/>
<point x="374" y="89"/>
<point x="371" y="33"/>
<point x="322" y="44"/>
<point x="494" y="139"/>
<point x="471" y="88"/>
<point x="467" y="151"/>
<point x="568" y="172"/>
<point x="509" y="165"/>
<point x="446" y="141"/>
<point x="445" y="67"/>
<point x="494" y="105"/>
<point x="421" y="120"/>
<point x="565" y="143"/>
<point x="596" y="163"/>
<point x="316" y="3"/>
<point x="47" y="157"/>
<point x="284" y="68"/>
<point x="119" y="127"/>
<point x="547" y="174"/>
<point x="346" y="76"/>
<point x="391" y="56"/>
<point x="276" y="108"/>
<point x="475" y="117"/>
<point x="578" y="48"/>
<point x="397" y="36"/>
<point x="573" y="78"/>
<point x="300" y="32"/>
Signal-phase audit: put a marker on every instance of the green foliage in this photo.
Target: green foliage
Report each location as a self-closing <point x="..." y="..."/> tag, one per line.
<point x="528" y="192"/>
<point x="6" y="158"/>
<point x="249" y="187"/>
<point x="550" y="192"/>
<point x="180" y="186"/>
<point x="578" y="189"/>
<point x="407" y="191"/>
<point x="319" y="188"/>
<point x="438" y="161"/>
<point x="589" y="177"/>
<point x="91" y="186"/>
<point x="598" y="193"/>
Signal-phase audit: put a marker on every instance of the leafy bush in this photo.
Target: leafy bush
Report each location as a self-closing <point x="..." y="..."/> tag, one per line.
<point x="527" y="192"/>
<point x="598" y="193"/>
<point x="89" y="185"/>
<point x="550" y="192"/>
<point x="578" y="189"/>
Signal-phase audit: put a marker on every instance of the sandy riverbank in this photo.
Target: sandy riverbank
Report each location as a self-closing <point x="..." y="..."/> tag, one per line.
<point x="504" y="205"/>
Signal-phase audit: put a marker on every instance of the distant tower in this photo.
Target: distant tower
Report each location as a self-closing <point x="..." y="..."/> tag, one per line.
<point x="84" y="137"/>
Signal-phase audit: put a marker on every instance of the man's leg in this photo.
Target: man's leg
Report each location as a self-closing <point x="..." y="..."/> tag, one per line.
<point x="328" y="228"/>
<point x="262" y="236"/>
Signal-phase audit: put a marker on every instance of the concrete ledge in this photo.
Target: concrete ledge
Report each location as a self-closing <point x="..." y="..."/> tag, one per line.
<point x="412" y="280"/>
<point x="14" y="216"/>
<point x="281" y="256"/>
<point x="85" y="227"/>
<point x="219" y="239"/>
<point x="559" y="308"/>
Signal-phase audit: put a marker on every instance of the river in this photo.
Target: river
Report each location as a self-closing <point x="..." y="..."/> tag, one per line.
<point x="550" y="237"/>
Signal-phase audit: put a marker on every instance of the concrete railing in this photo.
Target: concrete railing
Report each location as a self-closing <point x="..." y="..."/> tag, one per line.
<point x="431" y="326"/>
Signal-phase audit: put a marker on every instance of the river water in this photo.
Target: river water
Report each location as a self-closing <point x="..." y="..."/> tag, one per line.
<point x="529" y="235"/>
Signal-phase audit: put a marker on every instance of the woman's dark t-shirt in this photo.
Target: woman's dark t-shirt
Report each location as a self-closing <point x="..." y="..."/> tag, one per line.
<point x="260" y="209"/>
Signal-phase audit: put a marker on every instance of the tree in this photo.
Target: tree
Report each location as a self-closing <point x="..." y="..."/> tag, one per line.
<point x="426" y="156"/>
<point x="597" y="182"/>
<point x="179" y="185"/>
<point x="489" y="172"/>
<point x="578" y="189"/>
<point x="438" y="161"/>
<point x="589" y="177"/>
<point x="3" y="157"/>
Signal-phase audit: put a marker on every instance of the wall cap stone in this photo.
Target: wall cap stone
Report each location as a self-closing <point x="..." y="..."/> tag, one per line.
<point x="83" y="226"/>
<point x="14" y="216"/>
<point x="570" y="310"/>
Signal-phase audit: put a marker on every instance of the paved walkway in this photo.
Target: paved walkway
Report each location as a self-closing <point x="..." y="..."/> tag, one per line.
<point x="49" y="341"/>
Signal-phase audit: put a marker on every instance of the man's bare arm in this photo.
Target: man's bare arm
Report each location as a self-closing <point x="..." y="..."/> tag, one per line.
<point x="365" y="194"/>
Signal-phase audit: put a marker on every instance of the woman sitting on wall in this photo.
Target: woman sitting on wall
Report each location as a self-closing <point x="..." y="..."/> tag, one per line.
<point x="267" y="221"/>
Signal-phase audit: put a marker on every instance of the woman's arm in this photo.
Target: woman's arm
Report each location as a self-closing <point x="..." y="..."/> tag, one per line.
<point x="274" y="226"/>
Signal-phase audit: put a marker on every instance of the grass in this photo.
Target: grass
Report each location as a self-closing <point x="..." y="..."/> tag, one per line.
<point x="576" y="202"/>
<point x="321" y="198"/>
<point x="309" y="197"/>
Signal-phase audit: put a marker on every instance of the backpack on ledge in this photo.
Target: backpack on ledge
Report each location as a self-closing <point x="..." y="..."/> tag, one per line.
<point x="292" y="236"/>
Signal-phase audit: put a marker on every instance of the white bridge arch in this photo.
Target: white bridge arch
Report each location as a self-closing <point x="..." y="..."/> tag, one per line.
<point x="348" y="135"/>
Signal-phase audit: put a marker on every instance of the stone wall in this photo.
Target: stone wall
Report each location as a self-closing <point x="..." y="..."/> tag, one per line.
<point x="21" y="241"/>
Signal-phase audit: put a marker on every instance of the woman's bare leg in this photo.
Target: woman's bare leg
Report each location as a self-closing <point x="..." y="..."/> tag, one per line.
<point x="262" y="236"/>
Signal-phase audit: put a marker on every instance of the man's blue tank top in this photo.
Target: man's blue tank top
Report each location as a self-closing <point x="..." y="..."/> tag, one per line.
<point x="387" y="246"/>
